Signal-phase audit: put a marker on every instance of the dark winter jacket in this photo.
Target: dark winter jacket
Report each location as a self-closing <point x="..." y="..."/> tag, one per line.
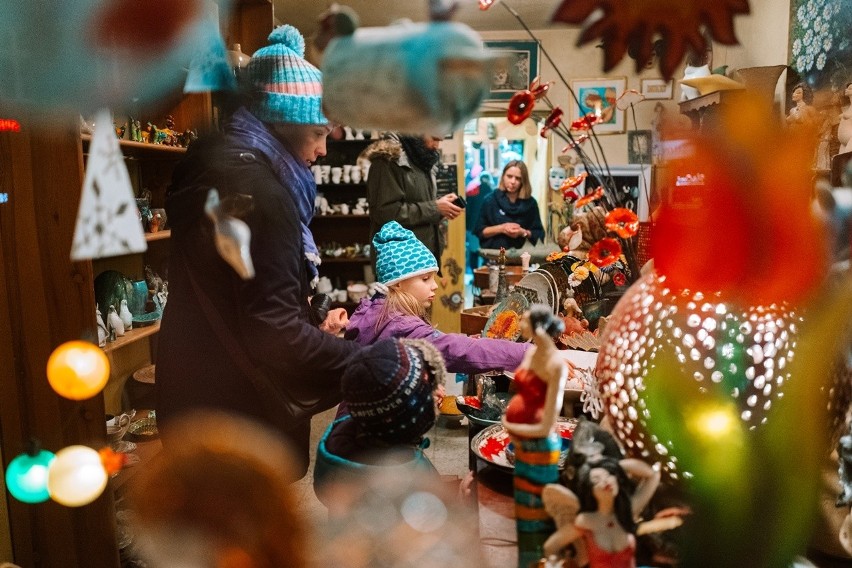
<point x="497" y="210"/>
<point x="399" y="191"/>
<point x="268" y="316"/>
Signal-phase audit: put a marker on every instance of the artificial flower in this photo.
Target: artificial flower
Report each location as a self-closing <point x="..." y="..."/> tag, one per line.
<point x="554" y="256"/>
<point x="586" y="122"/>
<point x="576" y="143"/>
<point x="629" y="98"/>
<point x="623" y="222"/>
<point x="573" y="181"/>
<point x="505" y="326"/>
<point x="619" y="279"/>
<point x="485" y="4"/>
<point x="589" y="197"/>
<point x="520" y="106"/>
<point x="553" y="120"/>
<point x="581" y="273"/>
<point x="570" y="195"/>
<point x="604" y="252"/>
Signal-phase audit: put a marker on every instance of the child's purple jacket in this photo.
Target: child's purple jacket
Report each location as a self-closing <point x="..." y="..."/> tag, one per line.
<point x="462" y="354"/>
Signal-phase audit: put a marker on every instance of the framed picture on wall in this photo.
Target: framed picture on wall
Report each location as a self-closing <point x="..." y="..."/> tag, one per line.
<point x="632" y="186"/>
<point x="639" y="147"/>
<point x="598" y="96"/>
<point x="515" y="68"/>
<point x="657" y="88"/>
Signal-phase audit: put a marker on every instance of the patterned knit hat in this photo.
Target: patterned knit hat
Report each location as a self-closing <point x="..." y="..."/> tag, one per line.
<point x="400" y="255"/>
<point x="289" y="89"/>
<point x="389" y="389"/>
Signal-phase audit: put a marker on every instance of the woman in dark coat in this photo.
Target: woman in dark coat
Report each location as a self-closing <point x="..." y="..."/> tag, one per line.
<point x="510" y="217"/>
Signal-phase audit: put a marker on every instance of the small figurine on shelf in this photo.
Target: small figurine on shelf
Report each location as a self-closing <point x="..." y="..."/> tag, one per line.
<point x="149" y="135"/>
<point x="171" y="135"/>
<point x="187" y="138"/>
<point x="114" y="323"/>
<point x="120" y="130"/>
<point x="608" y="495"/>
<point x="135" y="130"/>
<point x="125" y="315"/>
<point x="103" y="332"/>
<point x="502" y="283"/>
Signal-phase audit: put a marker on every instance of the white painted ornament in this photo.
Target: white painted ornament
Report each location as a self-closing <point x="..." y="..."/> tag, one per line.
<point x="126" y="316"/>
<point x="114" y="322"/>
<point x="233" y="237"/>
<point x="103" y="333"/>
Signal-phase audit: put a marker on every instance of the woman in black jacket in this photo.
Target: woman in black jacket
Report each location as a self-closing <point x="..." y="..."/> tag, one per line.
<point x="510" y="216"/>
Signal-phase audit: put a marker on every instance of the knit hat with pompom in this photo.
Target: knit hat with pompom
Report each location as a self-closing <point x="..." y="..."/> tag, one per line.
<point x="287" y="87"/>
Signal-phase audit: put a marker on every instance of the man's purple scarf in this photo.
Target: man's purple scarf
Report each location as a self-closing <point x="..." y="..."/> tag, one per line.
<point x="293" y="174"/>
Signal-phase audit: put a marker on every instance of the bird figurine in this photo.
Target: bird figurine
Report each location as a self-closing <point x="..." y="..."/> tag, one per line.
<point x="114" y="322"/>
<point x="233" y="236"/>
<point x="125" y="315"/>
<point x="103" y="333"/>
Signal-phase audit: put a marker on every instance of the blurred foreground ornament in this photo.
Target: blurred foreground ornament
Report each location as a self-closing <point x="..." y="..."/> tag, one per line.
<point x="77" y="370"/>
<point x="76" y="477"/>
<point x="408" y="77"/>
<point x="107" y="220"/>
<point x="634" y="26"/>
<point x="233" y="236"/>
<point x="209" y="69"/>
<point x="26" y="476"/>
<point x="729" y="399"/>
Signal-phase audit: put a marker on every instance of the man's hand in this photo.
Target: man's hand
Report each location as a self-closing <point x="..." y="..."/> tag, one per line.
<point x="446" y="207"/>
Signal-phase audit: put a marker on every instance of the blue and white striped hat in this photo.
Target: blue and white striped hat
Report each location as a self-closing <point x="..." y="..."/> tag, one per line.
<point x="288" y="88"/>
<point x="400" y="255"/>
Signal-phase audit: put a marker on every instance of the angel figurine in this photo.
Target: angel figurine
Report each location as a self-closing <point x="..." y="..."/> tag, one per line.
<point x="599" y="514"/>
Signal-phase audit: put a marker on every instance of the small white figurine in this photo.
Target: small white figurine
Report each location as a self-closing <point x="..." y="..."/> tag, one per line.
<point x="114" y="322"/>
<point x="125" y="315"/>
<point x="103" y="333"/>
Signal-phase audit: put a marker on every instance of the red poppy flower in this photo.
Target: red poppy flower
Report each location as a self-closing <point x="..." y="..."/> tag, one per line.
<point x="586" y="122"/>
<point x="539" y="89"/>
<point x="573" y="181"/>
<point x="623" y="222"/>
<point x="619" y="279"/>
<point x="589" y="197"/>
<point x="578" y="141"/>
<point x="570" y="195"/>
<point x="520" y="106"/>
<point x="604" y="252"/>
<point x="553" y="120"/>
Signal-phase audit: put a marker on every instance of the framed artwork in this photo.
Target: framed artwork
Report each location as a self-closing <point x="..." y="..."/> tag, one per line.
<point x="515" y="68"/>
<point x="632" y="184"/>
<point x="657" y="88"/>
<point x="820" y="45"/>
<point x="598" y="96"/>
<point x="639" y="147"/>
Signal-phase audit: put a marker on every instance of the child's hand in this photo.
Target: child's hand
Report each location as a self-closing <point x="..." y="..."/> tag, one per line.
<point x="335" y="322"/>
<point x="464" y="488"/>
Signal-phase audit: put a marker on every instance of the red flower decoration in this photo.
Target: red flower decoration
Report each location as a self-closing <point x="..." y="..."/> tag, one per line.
<point x="485" y="4"/>
<point x="520" y="106"/>
<point x="553" y="120"/>
<point x="589" y="197"/>
<point x="573" y="181"/>
<point x="586" y="122"/>
<point x="623" y="222"/>
<point x="619" y="279"/>
<point x="570" y="195"/>
<point x="604" y="252"/>
<point x="578" y="141"/>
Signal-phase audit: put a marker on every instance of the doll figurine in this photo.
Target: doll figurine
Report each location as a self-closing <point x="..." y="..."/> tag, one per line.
<point x="599" y="514"/>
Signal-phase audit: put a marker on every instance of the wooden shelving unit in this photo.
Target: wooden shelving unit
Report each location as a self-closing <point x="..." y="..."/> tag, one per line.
<point x="132" y="336"/>
<point x="158" y="236"/>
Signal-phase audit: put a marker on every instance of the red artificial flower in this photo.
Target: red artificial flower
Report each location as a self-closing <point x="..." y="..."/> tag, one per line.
<point x="520" y="106"/>
<point x="604" y="252"/>
<point x="576" y="143"/>
<point x="589" y="197"/>
<point x="570" y="195"/>
<point x="573" y="181"/>
<point x="553" y="120"/>
<point x="623" y="222"/>
<point x="619" y="279"/>
<point x="586" y="122"/>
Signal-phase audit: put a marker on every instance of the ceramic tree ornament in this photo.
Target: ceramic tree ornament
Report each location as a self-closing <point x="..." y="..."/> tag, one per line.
<point x="409" y="77"/>
<point x="233" y="237"/>
<point x="107" y="223"/>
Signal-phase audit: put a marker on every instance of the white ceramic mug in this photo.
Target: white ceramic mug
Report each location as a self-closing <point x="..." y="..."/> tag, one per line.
<point x="347" y="170"/>
<point x="326" y="173"/>
<point x="355" y="175"/>
<point x="344" y="209"/>
<point x="317" y="171"/>
<point x="324" y="285"/>
<point x="335" y="174"/>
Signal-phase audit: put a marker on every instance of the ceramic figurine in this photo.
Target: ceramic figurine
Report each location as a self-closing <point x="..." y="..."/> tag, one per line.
<point x="135" y="130"/>
<point x="125" y="315"/>
<point x="233" y="237"/>
<point x="103" y="333"/>
<point x="114" y="322"/>
<point x="530" y="420"/>
<point x="607" y="493"/>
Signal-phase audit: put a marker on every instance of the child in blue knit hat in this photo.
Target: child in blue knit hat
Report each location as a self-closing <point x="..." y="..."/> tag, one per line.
<point x="407" y="268"/>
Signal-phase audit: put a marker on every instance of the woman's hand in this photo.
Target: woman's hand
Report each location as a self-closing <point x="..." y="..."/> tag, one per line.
<point x="446" y="207"/>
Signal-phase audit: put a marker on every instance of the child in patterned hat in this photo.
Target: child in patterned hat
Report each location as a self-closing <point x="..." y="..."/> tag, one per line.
<point x="391" y="395"/>
<point x="407" y="269"/>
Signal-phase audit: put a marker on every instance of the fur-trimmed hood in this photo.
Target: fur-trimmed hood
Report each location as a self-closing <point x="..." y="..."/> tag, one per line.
<point x="389" y="149"/>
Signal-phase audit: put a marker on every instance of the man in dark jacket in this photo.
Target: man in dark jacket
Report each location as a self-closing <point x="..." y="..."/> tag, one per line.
<point x="220" y="332"/>
<point x="401" y="187"/>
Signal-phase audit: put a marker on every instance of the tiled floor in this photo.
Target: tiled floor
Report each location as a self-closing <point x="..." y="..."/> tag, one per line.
<point x="447" y="451"/>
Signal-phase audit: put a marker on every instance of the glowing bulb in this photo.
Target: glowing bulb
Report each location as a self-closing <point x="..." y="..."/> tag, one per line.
<point x="76" y="477"/>
<point x="77" y="370"/>
<point x="715" y="422"/>
<point x="485" y="4"/>
<point x="26" y="477"/>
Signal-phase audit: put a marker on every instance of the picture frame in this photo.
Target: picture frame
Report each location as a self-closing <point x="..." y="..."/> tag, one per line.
<point x="657" y="89"/>
<point x="515" y="68"/>
<point x="633" y="183"/>
<point x="599" y="96"/>
<point x="639" y="147"/>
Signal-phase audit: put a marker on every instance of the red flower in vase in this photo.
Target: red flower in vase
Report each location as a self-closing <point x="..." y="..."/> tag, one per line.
<point x="604" y="252"/>
<point x="589" y="197"/>
<point x="623" y="222"/>
<point x="522" y="102"/>
<point x="619" y="279"/>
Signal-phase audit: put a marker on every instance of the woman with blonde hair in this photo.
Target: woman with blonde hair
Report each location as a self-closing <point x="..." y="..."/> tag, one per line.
<point x="510" y="216"/>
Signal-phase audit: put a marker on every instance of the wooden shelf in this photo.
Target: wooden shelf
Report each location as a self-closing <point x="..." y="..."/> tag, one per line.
<point x="131" y="336"/>
<point x="333" y="260"/>
<point x="131" y="148"/>
<point x="158" y="236"/>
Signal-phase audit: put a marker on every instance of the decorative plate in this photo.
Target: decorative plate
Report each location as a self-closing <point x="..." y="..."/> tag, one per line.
<point x="147" y="318"/>
<point x="505" y="321"/>
<point x="476" y="415"/>
<point x="492" y="444"/>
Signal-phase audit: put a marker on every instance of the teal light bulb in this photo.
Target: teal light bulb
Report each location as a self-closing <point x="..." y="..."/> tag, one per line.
<point x="26" y="477"/>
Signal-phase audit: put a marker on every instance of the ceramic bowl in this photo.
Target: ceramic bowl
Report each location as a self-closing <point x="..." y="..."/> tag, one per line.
<point x="116" y="426"/>
<point x="356" y="292"/>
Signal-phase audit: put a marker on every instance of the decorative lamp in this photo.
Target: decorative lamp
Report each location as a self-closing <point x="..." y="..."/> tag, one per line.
<point x="76" y="477"/>
<point x="26" y="476"/>
<point x="77" y="370"/>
